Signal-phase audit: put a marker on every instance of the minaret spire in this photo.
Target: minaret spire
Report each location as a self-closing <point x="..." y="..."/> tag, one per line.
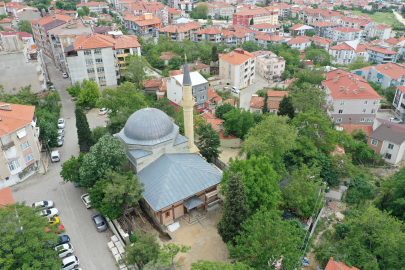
<point x="187" y="101"/>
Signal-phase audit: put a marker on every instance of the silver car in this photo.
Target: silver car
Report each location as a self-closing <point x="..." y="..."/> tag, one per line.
<point x="396" y="120"/>
<point x="61" y="132"/>
<point x="52" y="212"/>
<point x="64" y="250"/>
<point x="60" y="141"/>
<point x="43" y="204"/>
<point x="61" y="123"/>
<point x="99" y="222"/>
<point x="70" y="263"/>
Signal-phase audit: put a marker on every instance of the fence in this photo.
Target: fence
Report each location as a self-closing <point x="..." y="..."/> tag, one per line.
<point x="220" y="164"/>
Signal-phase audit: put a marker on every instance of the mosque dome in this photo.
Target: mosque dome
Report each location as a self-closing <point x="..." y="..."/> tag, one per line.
<point x="149" y="125"/>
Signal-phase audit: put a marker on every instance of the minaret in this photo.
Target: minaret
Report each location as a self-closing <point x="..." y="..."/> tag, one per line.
<point x="187" y="101"/>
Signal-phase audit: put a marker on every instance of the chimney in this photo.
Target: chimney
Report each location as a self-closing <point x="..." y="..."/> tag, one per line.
<point x="341" y="88"/>
<point x="338" y="72"/>
<point x="357" y="81"/>
<point x="335" y="79"/>
<point x="355" y="91"/>
<point x="385" y="68"/>
<point x="54" y="16"/>
<point x="347" y="91"/>
<point x="5" y="107"/>
<point x="362" y="88"/>
<point x="390" y="66"/>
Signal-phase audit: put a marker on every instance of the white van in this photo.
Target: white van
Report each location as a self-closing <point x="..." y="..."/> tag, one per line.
<point x="55" y="156"/>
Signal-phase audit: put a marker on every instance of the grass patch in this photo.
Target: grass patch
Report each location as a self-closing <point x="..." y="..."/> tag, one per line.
<point x="379" y="17"/>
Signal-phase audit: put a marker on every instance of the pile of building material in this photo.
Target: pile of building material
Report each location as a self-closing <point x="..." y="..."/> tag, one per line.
<point x="117" y="251"/>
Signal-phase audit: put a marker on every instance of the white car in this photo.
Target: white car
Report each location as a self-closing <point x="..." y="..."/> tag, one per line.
<point x="86" y="200"/>
<point x="64" y="250"/>
<point x="52" y="212"/>
<point x="65" y="75"/>
<point x="43" y="204"/>
<point x="396" y="120"/>
<point x="55" y="156"/>
<point x="103" y="111"/>
<point x="60" y="141"/>
<point x="70" y="263"/>
<point x="61" y="132"/>
<point x="235" y="90"/>
<point x="61" y="123"/>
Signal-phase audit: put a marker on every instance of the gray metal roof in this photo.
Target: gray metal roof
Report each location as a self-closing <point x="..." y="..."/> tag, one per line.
<point x="69" y="48"/>
<point x="180" y="139"/>
<point x="175" y="177"/>
<point x="389" y="131"/>
<point x="186" y="76"/>
<point x="148" y="127"/>
<point x="138" y="153"/>
<point x="192" y="202"/>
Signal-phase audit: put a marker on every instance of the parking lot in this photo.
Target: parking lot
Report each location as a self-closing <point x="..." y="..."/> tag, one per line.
<point x="89" y="245"/>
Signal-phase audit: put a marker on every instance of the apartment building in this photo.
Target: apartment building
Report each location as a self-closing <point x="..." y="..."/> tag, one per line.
<point x="145" y="25"/>
<point x="40" y="30"/>
<point x="264" y="40"/>
<point x="238" y="66"/>
<point x="300" y="30"/>
<point x="12" y="7"/>
<point x="343" y="53"/>
<point x="157" y="9"/>
<point x="63" y="35"/>
<point x="2" y="8"/>
<point x="270" y="66"/>
<point x="21" y="153"/>
<point x="173" y="4"/>
<point x="299" y="43"/>
<point x="21" y="64"/>
<point x="224" y="10"/>
<point x="199" y="89"/>
<point x="264" y="27"/>
<point x="212" y="9"/>
<point x="99" y="58"/>
<point x="211" y="34"/>
<point x="384" y="75"/>
<point x="344" y="33"/>
<point x="351" y="22"/>
<point x="93" y="6"/>
<point x="186" y="6"/>
<point x="259" y="15"/>
<point x="322" y="42"/>
<point x="383" y="32"/>
<point x="173" y="14"/>
<point x="381" y="55"/>
<point x="309" y="16"/>
<point x="178" y="33"/>
<point x="322" y="29"/>
<point x="231" y="38"/>
<point x="330" y="16"/>
<point x="354" y="101"/>
<point x="399" y="102"/>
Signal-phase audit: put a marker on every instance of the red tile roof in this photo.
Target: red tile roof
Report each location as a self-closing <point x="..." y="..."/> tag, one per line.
<point x="380" y="26"/>
<point x="263" y="26"/>
<point x="209" y="31"/>
<point x="168" y="55"/>
<point x="368" y="129"/>
<point x="93" y="41"/>
<point x="258" y="11"/>
<point x="6" y="197"/>
<point x="342" y="47"/>
<point x="295" y="27"/>
<point x="230" y="101"/>
<point x="180" y="28"/>
<point x="332" y="265"/>
<point x="394" y="71"/>
<point x="6" y="20"/>
<point x="401" y="88"/>
<point x="298" y="40"/>
<point x="321" y="24"/>
<point x="345" y="29"/>
<point x="18" y="117"/>
<point x="92" y="3"/>
<point x="237" y="57"/>
<point x="269" y="38"/>
<point x="175" y="72"/>
<point x="381" y="50"/>
<point x="394" y="40"/>
<point x="272" y="93"/>
<point x="351" y="90"/>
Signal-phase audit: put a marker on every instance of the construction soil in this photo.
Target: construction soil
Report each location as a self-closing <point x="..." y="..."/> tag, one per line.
<point x="228" y="153"/>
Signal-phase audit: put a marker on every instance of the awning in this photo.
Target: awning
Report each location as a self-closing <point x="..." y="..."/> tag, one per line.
<point x="192" y="202"/>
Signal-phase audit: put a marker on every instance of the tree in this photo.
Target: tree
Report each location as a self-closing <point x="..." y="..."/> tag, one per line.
<point x="310" y="75"/>
<point x="142" y="251"/>
<point x="239" y="121"/>
<point x="272" y="137"/>
<point x="265" y="236"/>
<point x="209" y="22"/>
<point x="236" y="209"/>
<point x="300" y="194"/>
<point x="117" y="122"/>
<point x="286" y="28"/>
<point x="315" y="6"/>
<point x="99" y="132"/>
<point x="23" y="240"/>
<point x="260" y="180"/>
<point x="48" y="132"/>
<point x="223" y="109"/>
<point x="81" y="13"/>
<point x="101" y="22"/>
<point x="168" y="252"/>
<point x="165" y="105"/>
<point x="97" y="195"/>
<point x="136" y="69"/>
<point x="1" y="28"/>
<point x="208" y="141"/>
<point x="251" y="46"/>
<point x="264" y="108"/>
<point x="74" y="90"/>
<point x="105" y="11"/>
<point x="59" y="4"/>
<point x="125" y="96"/>
<point x="107" y="154"/>
<point x="93" y="14"/>
<point x="89" y="93"/>
<point x="286" y="107"/>
<point x="358" y="63"/>
<point x="174" y="63"/>
<point x="307" y="97"/>
<point x="25" y="26"/>
<point x="389" y="93"/>
<point x="86" y="10"/>
<point x="214" y="54"/>
<point x="84" y="135"/>
<point x="310" y="33"/>
<point x="251" y="22"/>
<point x="208" y="265"/>
<point x="71" y="169"/>
<point x="318" y="56"/>
<point x="200" y="12"/>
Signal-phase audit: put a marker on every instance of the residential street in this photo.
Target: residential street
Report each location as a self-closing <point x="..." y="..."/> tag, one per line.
<point x="89" y="246"/>
<point x="246" y="93"/>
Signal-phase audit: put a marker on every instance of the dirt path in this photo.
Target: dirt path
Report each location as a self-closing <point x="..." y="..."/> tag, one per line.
<point x="399" y="17"/>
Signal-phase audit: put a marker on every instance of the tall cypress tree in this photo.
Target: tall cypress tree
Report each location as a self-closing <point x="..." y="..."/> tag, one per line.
<point x="214" y="54"/>
<point x="236" y="209"/>
<point x="286" y="107"/>
<point x="84" y="134"/>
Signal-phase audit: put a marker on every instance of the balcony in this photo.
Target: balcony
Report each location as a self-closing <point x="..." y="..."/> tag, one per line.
<point x="7" y="145"/>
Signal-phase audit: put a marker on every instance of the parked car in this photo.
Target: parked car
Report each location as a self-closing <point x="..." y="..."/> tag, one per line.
<point x="64" y="250"/>
<point x="44" y="204"/>
<point x="52" y="212"/>
<point x="235" y="90"/>
<point x="65" y="75"/>
<point x="99" y="222"/>
<point x="58" y="230"/>
<point x="102" y="111"/>
<point x="70" y="262"/>
<point x="53" y="220"/>
<point x="61" y="123"/>
<point x="86" y="200"/>
<point x="52" y="88"/>
<point x="61" y="132"/>
<point x="63" y="239"/>
<point x="55" y="156"/>
<point x="60" y="141"/>
<point x="396" y="120"/>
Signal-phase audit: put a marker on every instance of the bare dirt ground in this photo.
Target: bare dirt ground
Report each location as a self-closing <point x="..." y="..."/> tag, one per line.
<point x="95" y="119"/>
<point x="205" y="243"/>
<point x="228" y="153"/>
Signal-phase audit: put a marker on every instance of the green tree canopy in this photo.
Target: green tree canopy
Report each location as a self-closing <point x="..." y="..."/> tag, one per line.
<point x="286" y="107"/>
<point x="318" y="56"/>
<point x="239" y="121"/>
<point x="174" y="63"/>
<point x="84" y="135"/>
<point x="89" y="93"/>
<point x="260" y="180"/>
<point x="136" y="70"/>
<point x="71" y="169"/>
<point x="25" y="26"/>
<point x="310" y="75"/>
<point x="358" y="63"/>
<point x="308" y="97"/>
<point x="251" y="46"/>
<point x="223" y="109"/>
<point x="264" y="237"/>
<point x="97" y="195"/>
<point x="209" y="142"/>
<point x="208" y="265"/>
<point x="86" y="10"/>
<point x="107" y="154"/>
<point x="23" y="240"/>
<point x="200" y="12"/>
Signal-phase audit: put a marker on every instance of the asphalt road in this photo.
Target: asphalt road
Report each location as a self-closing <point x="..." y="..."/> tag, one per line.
<point x="246" y="94"/>
<point x="89" y="245"/>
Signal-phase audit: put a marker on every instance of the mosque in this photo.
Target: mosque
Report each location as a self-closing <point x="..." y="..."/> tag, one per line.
<point x="176" y="177"/>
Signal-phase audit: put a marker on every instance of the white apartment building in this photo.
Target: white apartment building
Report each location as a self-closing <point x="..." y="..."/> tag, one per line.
<point x="381" y="55"/>
<point x="238" y="66"/>
<point x="299" y="43"/>
<point x="93" y="6"/>
<point x="344" y="33"/>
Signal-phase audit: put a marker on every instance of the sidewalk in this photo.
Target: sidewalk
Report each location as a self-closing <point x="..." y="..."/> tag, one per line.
<point x="43" y="165"/>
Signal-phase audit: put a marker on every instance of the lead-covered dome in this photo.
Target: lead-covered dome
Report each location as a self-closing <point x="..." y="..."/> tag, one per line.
<point x="149" y="126"/>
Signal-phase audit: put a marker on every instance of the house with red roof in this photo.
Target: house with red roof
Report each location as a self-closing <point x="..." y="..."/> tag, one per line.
<point x="258" y="15"/>
<point x="384" y="75"/>
<point x="300" y="30"/>
<point x="94" y="6"/>
<point x="343" y="53"/>
<point x="264" y="27"/>
<point x="354" y="101"/>
<point x="145" y="25"/>
<point x="321" y="42"/>
<point x="21" y="148"/>
<point x="181" y="32"/>
<point x="232" y="38"/>
<point x="344" y="33"/>
<point x="210" y="34"/>
<point x="334" y="265"/>
<point x="322" y="28"/>
<point x="309" y="15"/>
<point x="299" y="43"/>
<point x="381" y="55"/>
<point x="6" y="197"/>
<point x="383" y="32"/>
<point x="266" y="39"/>
<point x="273" y="101"/>
<point x="6" y="22"/>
